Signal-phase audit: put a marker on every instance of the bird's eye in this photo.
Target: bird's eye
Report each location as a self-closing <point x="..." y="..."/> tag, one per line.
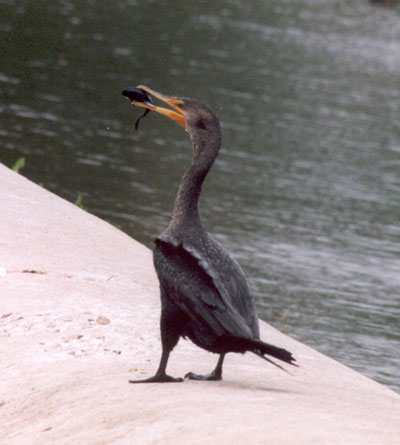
<point x="180" y="105"/>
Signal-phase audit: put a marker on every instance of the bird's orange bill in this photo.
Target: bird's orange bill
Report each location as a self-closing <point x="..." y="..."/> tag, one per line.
<point x="178" y="115"/>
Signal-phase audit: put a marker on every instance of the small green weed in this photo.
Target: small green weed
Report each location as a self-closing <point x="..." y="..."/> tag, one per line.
<point x="79" y="202"/>
<point x="18" y="165"/>
<point x="285" y="321"/>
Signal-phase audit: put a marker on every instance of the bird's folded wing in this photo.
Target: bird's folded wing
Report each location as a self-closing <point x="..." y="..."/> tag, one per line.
<point x="192" y="283"/>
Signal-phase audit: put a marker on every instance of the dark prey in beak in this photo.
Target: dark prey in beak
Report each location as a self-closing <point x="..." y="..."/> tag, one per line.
<point x="137" y="95"/>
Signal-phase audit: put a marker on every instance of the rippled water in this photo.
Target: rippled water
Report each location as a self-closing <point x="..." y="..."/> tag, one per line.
<point x="305" y="192"/>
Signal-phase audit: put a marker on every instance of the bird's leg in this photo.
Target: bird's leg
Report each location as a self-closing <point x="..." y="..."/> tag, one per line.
<point x="160" y="376"/>
<point x="215" y="375"/>
<point x="170" y="326"/>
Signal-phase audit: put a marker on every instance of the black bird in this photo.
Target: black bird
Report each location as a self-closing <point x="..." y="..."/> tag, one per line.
<point x="204" y="293"/>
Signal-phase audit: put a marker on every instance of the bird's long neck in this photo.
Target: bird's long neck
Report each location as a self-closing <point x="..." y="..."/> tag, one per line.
<point x="186" y="206"/>
<point x="185" y="215"/>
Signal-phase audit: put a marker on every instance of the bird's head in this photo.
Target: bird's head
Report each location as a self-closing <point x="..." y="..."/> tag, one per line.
<point x="195" y="117"/>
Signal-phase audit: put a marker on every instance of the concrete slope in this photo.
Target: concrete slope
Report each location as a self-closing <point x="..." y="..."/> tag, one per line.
<point x="79" y="311"/>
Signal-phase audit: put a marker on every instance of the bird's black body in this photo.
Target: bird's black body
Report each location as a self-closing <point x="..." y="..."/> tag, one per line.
<point x="212" y="302"/>
<point x="204" y="293"/>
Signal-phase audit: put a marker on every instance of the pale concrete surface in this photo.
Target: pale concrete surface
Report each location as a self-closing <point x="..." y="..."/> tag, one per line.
<point x="79" y="310"/>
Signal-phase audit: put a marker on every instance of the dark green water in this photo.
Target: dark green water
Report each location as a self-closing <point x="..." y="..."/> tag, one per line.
<point x="306" y="191"/>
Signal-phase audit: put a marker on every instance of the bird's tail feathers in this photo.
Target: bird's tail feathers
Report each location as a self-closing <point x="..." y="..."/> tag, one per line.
<point x="261" y="349"/>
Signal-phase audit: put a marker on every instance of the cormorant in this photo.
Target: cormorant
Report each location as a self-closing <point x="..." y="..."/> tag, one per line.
<point x="204" y="293"/>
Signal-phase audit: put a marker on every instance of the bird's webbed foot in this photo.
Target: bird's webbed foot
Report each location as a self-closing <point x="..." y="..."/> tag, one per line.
<point x="159" y="378"/>
<point x="213" y="376"/>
